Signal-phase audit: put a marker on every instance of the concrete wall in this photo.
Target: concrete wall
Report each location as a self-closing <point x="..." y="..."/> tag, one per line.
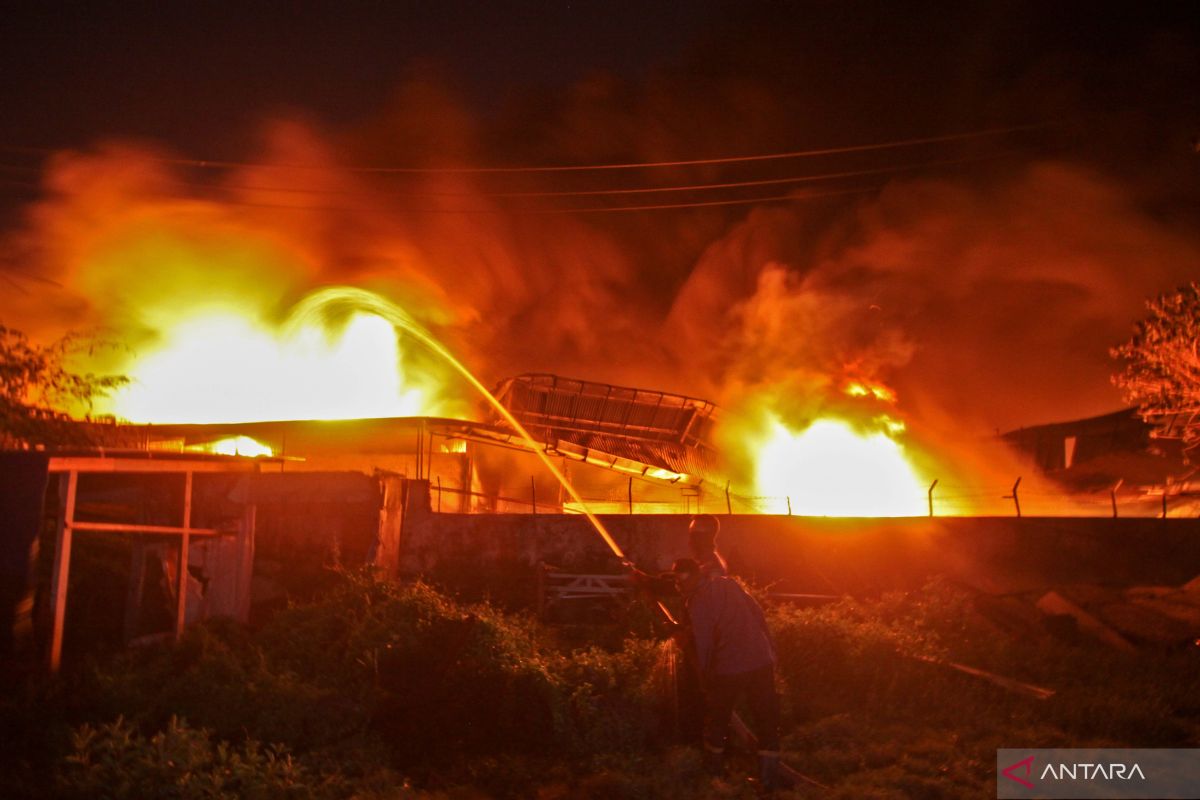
<point x="810" y="554"/>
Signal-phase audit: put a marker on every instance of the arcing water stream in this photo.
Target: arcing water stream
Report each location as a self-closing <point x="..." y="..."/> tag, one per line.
<point x="361" y="300"/>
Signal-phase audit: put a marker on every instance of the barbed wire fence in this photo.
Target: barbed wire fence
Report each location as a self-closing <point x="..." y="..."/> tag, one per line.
<point x="940" y="500"/>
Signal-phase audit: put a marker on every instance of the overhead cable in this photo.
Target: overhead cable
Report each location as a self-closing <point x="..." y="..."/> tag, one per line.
<point x="486" y="195"/>
<point x="791" y="197"/>
<point x="886" y="145"/>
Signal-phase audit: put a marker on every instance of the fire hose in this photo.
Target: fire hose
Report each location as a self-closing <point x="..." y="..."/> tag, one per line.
<point x="359" y="298"/>
<point x="739" y="728"/>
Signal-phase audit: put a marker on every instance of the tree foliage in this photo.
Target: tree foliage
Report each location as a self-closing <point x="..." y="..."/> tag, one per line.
<point x="1161" y="373"/>
<point x="37" y="389"/>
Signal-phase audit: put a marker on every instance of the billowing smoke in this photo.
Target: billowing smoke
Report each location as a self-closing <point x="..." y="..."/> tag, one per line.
<point x="984" y="304"/>
<point x="986" y="297"/>
<point x="993" y="300"/>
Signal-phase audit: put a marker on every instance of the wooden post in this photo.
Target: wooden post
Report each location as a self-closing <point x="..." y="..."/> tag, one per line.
<point x="67" y="487"/>
<point x="1112" y="493"/>
<point x="245" y="562"/>
<point x="420" y="448"/>
<point x="935" y="483"/>
<point x="439" y="479"/>
<point x="1164" y="502"/>
<point x="532" y="494"/>
<point x="181" y="576"/>
<point x="136" y="589"/>
<point x="629" y="491"/>
<point x="429" y="460"/>
<point x="464" y="499"/>
<point x="789" y="502"/>
<point x="728" y="502"/>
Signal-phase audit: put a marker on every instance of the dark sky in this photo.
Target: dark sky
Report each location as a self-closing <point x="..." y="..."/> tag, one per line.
<point x="197" y="74"/>
<point x="200" y="75"/>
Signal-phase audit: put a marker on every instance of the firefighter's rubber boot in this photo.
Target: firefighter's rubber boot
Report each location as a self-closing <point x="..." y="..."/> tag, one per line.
<point x="768" y="773"/>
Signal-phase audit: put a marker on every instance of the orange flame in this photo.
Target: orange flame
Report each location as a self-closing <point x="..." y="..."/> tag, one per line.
<point x="231" y="367"/>
<point x="840" y="457"/>
<point x="831" y="469"/>
<point x="240" y="446"/>
<point x="879" y="392"/>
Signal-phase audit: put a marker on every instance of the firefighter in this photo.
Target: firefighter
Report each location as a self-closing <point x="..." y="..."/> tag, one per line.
<point x="735" y="658"/>
<point x="702" y="542"/>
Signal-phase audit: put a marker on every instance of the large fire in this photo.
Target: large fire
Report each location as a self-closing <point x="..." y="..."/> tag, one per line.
<point x="232" y="367"/>
<point x="338" y="356"/>
<point x="831" y="469"/>
<point x="193" y="294"/>
<point x="846" y="457"/>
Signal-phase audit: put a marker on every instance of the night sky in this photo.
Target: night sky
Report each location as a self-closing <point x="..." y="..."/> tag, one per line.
<point x="953" y="269"/>
<point x="201" y="76"/>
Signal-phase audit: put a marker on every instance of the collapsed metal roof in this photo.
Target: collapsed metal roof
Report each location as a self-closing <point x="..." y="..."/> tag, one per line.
<point x="640" y="431"/>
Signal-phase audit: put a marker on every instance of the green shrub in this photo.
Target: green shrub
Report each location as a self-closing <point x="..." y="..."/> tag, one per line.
<point x="116" y="761"/>
<point x="377" y="687"/>
<point x="439" y="678"/>
<point x="612" y="702"/>
<point x="221" y="678"/>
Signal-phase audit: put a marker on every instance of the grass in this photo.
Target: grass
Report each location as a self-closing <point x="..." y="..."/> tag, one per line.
<point x="381" y="690"/>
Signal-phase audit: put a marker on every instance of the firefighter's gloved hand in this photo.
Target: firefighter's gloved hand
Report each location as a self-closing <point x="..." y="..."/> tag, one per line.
<point x="642" y="581"/>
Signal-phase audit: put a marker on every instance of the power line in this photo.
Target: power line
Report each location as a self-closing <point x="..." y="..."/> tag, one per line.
<point x="886" y="145"/>
<point x="582" y="210"/>
<point x="637" y="190"/>
<point x="484" y="195"/>
<point x="791" y="197"/>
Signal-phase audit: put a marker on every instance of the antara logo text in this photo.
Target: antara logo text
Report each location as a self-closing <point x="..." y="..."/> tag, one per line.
<point x="1023" y="770"/>
<point x="1089" y="772"/>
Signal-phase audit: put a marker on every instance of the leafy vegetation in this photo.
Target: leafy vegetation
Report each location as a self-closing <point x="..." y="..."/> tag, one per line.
<point x="115" y="760"/>
<point x="36" y="389"/>
<point x="384" y="690"/>
<point x="1161" y="373"/>
<point x="873" y="717"/>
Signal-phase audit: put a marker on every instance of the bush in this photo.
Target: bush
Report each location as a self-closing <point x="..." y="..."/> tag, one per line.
<point x="398" y="663"/>
<point x="378" y="686"/>
<point x="220" y="677"/>
<point x="439" y="678"/>
<point x="611" y="702"/>
<point x="116" y="761"/>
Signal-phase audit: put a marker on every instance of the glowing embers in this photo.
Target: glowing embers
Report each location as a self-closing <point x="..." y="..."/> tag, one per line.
<point x="228" y="367"/>
<point x="831" y="469"/>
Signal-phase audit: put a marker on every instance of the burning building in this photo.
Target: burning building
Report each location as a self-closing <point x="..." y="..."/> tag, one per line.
<point x="836" y="353"/>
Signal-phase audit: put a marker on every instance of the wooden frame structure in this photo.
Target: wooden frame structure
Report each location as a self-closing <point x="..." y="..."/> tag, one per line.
<point x="70" y="467"/>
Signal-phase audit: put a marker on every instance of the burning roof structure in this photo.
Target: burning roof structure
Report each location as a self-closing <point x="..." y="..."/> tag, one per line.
<point x="640" y="431"/>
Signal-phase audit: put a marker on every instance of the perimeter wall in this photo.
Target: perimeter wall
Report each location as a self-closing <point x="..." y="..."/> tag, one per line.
<point x="492" y="553"/>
